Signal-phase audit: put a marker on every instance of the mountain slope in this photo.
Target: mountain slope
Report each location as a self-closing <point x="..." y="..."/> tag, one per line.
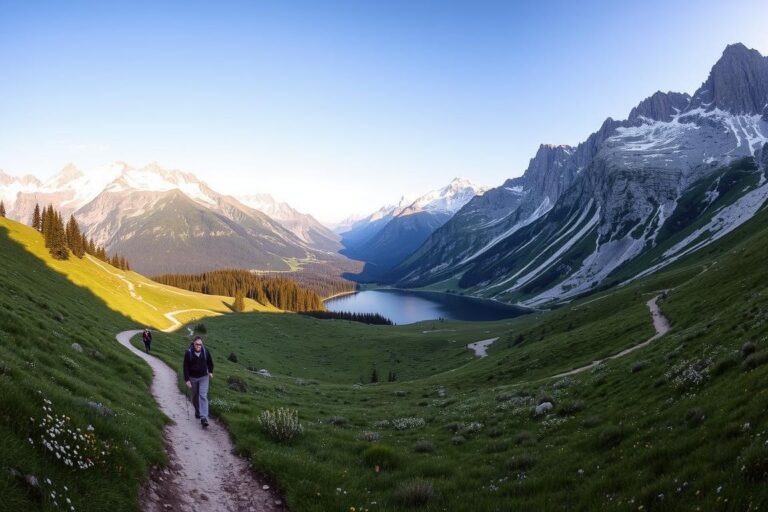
<point x="305" y="227"/>
<point x="612" y="199"/>
<point x="135" y="296"/>
<point x="389" y="239"/>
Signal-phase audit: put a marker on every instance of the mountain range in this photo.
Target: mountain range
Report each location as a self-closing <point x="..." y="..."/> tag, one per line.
<point x="171" y="221"/>
<point x="390" y="234"/>
<point x="637" y="194"/>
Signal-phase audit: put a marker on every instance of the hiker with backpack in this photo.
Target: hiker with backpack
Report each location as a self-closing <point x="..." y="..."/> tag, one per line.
<point x="147" y="337"/>
<point x="198" y="370"/>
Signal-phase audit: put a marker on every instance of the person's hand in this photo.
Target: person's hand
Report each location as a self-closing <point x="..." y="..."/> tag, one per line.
<point x="210" y="375"/>
<point x="189" y="385"/>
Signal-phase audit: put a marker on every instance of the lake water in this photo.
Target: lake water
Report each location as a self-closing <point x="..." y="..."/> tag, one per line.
<point x="407" y="307"/>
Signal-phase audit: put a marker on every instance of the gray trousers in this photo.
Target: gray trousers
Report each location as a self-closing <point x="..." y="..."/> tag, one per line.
<point x="200" y="394"/>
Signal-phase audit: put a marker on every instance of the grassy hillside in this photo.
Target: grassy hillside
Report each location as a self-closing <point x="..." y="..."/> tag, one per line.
<point x="94" y="389"/>
<point x="129" y="293"/>
<point x="678" y="425"/>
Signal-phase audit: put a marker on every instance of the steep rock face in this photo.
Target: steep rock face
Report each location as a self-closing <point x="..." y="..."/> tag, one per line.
<point x="677" y="174"/>
<point x="660" y="106"/>
<point x="738" y="83"/>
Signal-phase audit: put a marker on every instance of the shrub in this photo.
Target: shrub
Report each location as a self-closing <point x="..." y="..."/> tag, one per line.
<point x="563" y="383"/>
<point x="237" y="384"/>
<point x="471" y="428"/>
<point x="407" y="423"/>
<point x="381" y="455"/>
<point x="525" y="438"/>
<point x="756" y="462"/>
<point x="694" y="417"/>
<point x="414" y="493"/>
<point x="339" y="421"/>
<point x="200" y="329"/>
<point x="570" y="408"/>
<point x="232" y="357"/>
<point x="424" y="446"/>
<point x="752" y="361"/>
<point x="638" y="366"/>
<point x="367" y="435"/>
<point x="521" y="462"/>
<point x="747" y="349"/>
<point x="458" y="439"/>
<point x="281" y="424"/>
<point x="724" y="364"/>
<point x="610" y="436"/>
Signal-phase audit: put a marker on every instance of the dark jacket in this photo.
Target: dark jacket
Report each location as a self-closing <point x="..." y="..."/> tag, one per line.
<point x="197" y="366"/>
<point x="147" y="336"/>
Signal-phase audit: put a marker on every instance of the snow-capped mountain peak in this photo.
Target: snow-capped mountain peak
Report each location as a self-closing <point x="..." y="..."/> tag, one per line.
<point x="448" y="199"/>
<point x="153" y="178"/>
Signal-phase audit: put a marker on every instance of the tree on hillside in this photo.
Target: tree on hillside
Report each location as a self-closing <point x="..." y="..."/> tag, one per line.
<point x="239" y="304"/>
<point x="374" y="375"/>
<point x="74" y="238"/>
<point x="2" y="209"/>
<point x="57" y="236"/>
<point x="36" y="219"/>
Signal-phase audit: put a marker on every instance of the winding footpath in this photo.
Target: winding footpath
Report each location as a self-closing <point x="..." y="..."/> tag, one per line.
<point x="660" y="324"/>
<point x="204" y="474"/>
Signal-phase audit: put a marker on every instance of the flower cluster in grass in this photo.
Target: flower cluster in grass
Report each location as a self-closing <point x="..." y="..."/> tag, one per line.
<point x="220" y="405"/>
<point x="69" y="362"/>
<point x="689" y="373"/>
<point x="57" y="497"/>
<point x="281" y="424"/>
<point x="408" y="423"/>
<point x="72" y="446"/>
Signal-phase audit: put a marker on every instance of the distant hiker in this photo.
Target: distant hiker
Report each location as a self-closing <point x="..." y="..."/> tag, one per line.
<point x="147" y="337"/>
<point x="198" y="370"/>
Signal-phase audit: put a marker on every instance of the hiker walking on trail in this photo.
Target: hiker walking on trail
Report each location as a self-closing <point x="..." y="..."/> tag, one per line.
<point x="198" y="370"/>
<point x="147" y="337"/>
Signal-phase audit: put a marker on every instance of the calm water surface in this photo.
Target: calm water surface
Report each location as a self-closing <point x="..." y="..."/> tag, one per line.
<point x="407" y="307"/>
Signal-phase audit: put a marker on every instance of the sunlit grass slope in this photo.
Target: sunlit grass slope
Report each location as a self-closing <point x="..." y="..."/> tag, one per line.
<point x="132" y="294"/>
<point x="68" y="388"/>
<point x="681" y="424"/>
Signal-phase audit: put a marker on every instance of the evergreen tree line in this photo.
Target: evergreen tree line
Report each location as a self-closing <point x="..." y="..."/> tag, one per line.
<point x="365" y="318"/>
<point x="281" y="292"/>
<point x="2" y="209"/>
<point x="60" y="239"/>
<point x="324" y="277"/>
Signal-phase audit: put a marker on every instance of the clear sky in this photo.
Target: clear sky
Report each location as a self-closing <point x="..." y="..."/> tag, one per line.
<point x="339" y="107"/>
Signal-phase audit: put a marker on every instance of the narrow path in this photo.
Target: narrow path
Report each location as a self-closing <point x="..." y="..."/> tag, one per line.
<point x="175" y="324"/>
<point x="480" y="348"/>
<point x="204" y="474"/>
<point x="128" y="283"/>
<point x="660" y="324"/>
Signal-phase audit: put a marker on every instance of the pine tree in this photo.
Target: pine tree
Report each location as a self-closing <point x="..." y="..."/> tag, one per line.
<point x="2" y="209"/>
<point x="36" y="220"/>
<point x="57" y="236"/>
<point x="239" y="304"/>
<point x="374" y="375"/>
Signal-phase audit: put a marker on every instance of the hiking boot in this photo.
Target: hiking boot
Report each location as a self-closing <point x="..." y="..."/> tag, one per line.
<point x="197" y="415"/>
<point x="204" y="422"/>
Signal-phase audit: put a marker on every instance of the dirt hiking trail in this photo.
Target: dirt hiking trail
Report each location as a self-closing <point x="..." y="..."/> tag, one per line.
<point x="204" y="474"/>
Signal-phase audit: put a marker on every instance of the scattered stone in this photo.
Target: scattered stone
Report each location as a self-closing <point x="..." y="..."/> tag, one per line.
<point x="278" y="502"/>
<point x="265" y="487"/>
<point x="77" y="347"/>
<point x="32" y="481"/>
<point x="167" y="506"/>
<point x="264" y="373"/>
<point x="203" y="496"/>
<point x="543" y="408"/>
<point x="100" y="408"/>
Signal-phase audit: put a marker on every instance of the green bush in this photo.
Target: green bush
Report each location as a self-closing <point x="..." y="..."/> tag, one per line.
<point x="756" y="462"/>
<point x="747" y="349"/>
<point x="236" y="383"/>
<point x="381" y="455"/>
<point x="339" y="421"/>
<point x="281" y="424"/>
<point x="695" y="417"/>
<point x="414" y="493"/>
<point x="569" y="408"/>
<point x="424" y="446"/>
<point x="521" y="462"/>
<point x="752" y="361"/>
<point x="525" y="438"/>
<point x="232" y="357"/>
<point x="610" y="437"/>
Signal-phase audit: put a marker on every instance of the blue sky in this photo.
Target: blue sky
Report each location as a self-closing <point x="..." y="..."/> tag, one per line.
<point x="339" y="107"/>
